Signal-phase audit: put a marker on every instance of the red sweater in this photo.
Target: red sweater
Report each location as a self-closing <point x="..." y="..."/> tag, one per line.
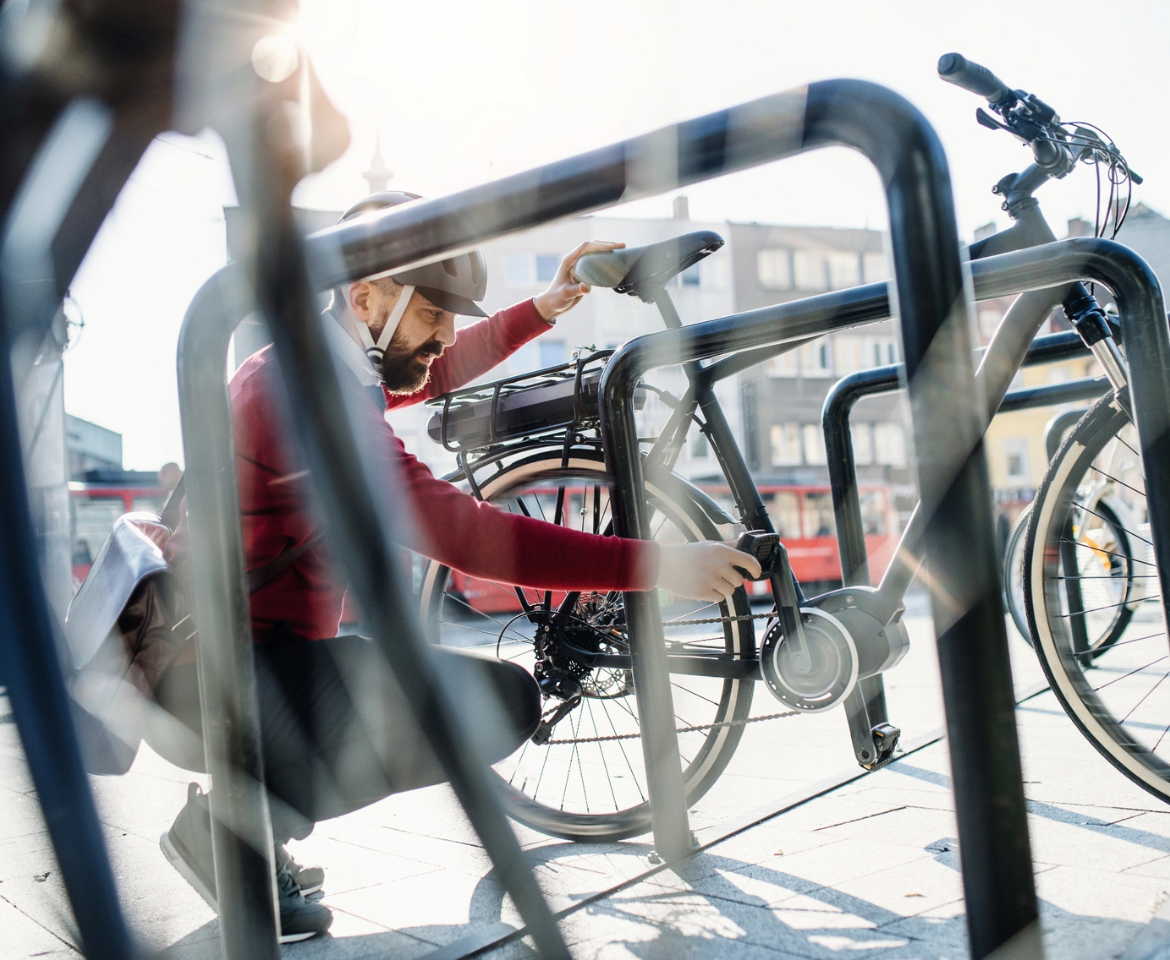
<point x="448" y="525"/>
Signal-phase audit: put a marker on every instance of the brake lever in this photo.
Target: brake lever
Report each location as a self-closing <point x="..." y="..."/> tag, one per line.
<point x="985" y="119"/>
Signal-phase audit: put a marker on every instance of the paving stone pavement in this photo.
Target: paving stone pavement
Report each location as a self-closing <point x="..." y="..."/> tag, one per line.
<point x="869" y="869"/>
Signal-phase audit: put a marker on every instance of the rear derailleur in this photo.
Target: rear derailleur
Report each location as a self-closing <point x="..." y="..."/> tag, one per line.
<point x="566" y="657"/>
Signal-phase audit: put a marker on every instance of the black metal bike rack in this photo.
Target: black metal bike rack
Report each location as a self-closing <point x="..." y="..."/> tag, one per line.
<point x="952" y="477"/>
<point x="846" y="392"/>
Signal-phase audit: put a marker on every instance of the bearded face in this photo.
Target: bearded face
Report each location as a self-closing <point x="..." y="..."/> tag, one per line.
<point x="406" y="368"/>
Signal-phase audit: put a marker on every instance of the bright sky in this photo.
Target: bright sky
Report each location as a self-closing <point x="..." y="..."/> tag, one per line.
<point x="465" y="92"/>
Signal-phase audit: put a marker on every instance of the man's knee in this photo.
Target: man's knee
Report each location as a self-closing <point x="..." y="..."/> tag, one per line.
<point x="501" y="700"/>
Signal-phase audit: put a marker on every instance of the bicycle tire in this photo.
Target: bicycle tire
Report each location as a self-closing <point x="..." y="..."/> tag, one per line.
<point x="1013" y="573"/>
<point x="575" y="815"/>
<point x="1089" y="513"/>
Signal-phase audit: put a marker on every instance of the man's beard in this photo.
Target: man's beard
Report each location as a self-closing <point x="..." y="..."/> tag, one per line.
<point x="403" y="372"/>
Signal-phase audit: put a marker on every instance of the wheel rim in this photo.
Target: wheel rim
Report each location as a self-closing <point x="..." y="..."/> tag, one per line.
<point x="579" y="785"/>
<point x="1091" y="530"/>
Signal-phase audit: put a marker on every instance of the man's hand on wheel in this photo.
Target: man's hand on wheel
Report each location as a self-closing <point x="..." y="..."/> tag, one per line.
<point x="565" y="289"/>
<point x="703" y="571"/>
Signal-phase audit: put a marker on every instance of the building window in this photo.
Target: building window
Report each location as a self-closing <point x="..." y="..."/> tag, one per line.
<point x="844" y="269"/>
<point x="519" y="269"/>
<point x="524" y="359"/>
<point x="774" y="269"/>
<point x="814" y="444"/>
<point x="883" y="351"/>
<point x="875" y="267"/>
<point x="784" y="365"/>
<point x="784" y="509"/>
<point x="818" y="515"/>
<point x="889" y="444"/>
<point x="552" y="352"/>
<point x="808" y="267"/>
<point x="988" y="321"/>
<point x="714" y="272"/>
<point x="690" y="276"/>
<point x="816" y="359"/>
<point x="847" y="354"/>
<point x="546" y="267"/>
<point x="700" y="447"/>
<point x="785" y="444"/>
<point x="873" y="513"/>
<point x="1015" y="455"/>
<point x="862" y="436"/>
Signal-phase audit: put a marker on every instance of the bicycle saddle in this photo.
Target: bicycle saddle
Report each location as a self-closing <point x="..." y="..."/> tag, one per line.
<point x="643" y="271"/>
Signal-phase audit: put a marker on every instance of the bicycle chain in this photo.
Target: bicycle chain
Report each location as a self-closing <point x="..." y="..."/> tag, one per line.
<point x="694" y="729"/>
<point x="692" y="623"/>
<point x="701" y="726"/>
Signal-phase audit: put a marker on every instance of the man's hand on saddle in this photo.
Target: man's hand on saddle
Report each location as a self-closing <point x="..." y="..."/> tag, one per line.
<point x="565" y="289"/>
<point x="704" y="570"/>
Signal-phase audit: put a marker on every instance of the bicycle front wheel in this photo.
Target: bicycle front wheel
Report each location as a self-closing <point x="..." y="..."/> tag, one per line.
<point x="582" y="776"/>
<point x="1093" y="601"/>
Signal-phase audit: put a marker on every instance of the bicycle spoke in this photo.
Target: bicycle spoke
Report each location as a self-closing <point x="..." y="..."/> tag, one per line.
<point x="1112" y="523"/>
<point x="1110" y="683"/>
<point x="1146" y="696"/>
<point x="1108" y="606"/>
<point x="601" y="751"/>
<point x="1120" y="643"/>
<point x="1108" y="576"/>
<point x="596" y="624"/>
<point x="1122" y="483"/>
<point x="1123" y="442"/>
<point x="1108" y="553"/>
<point x="625" y="756"/>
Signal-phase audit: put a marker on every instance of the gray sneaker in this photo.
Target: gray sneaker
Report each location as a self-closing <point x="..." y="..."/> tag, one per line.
<point x="187" y="846"/>
<point x="309" y="879"/>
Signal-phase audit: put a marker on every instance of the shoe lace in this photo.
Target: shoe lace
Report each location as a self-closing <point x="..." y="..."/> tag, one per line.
<point x="286" y="886"/>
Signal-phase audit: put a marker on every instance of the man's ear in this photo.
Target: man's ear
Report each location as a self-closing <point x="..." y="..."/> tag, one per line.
<point x="359" y="300"/>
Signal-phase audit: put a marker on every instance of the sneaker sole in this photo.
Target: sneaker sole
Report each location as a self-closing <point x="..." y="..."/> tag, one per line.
<point x="298" y="937"/>
<point x="176" y="860"/>
<point x="311" y="889"/>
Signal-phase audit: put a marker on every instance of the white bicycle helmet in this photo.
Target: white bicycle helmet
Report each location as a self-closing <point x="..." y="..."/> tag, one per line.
<point x="455" y="284"/>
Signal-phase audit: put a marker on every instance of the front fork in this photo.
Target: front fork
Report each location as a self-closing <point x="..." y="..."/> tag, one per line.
<point x="1089" y="320"/>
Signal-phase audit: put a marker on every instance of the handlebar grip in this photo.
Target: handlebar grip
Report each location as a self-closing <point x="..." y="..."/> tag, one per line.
<point x="957" y="69"/>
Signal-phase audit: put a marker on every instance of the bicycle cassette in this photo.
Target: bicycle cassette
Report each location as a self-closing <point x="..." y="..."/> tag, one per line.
<point x="816" y="676"/>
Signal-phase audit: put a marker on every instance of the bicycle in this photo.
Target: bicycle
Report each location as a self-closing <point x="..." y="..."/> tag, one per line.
<point x="531" y="444"/>
<point x="1089" y="575"/>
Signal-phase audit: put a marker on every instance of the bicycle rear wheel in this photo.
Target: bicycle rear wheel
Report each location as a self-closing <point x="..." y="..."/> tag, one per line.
<point x="1093" y="601"/>
<point x="587" y="780"/>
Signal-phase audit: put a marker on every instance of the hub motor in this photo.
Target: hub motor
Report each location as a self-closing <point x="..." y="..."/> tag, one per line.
<point x="816" y="675"/>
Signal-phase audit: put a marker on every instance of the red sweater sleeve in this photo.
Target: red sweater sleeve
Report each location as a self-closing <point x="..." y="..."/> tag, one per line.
<point x="478" y="348"/>
<point x="484" y="541"/>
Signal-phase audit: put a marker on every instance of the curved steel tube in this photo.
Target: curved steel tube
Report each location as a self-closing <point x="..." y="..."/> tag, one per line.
<point x="845" y="393"/>
<point x="953" y="480"/>
<point x="1143" y="318"/>
<point x="241" y="829"/>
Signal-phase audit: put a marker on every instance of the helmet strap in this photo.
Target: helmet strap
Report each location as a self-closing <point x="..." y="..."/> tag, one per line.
<point x="375" y="351"/>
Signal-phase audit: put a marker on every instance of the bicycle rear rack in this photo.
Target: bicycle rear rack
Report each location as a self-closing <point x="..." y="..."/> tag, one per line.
<point x="527" y="406"/>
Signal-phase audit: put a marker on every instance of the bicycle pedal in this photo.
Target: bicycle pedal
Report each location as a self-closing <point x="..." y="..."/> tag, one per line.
<point x="885" y="742"/>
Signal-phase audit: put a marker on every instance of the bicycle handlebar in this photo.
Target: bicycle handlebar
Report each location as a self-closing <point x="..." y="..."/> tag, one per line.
<point x="957" y="69"/>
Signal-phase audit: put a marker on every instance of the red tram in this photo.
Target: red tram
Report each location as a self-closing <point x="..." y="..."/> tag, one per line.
<point x="803" y="516"/>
